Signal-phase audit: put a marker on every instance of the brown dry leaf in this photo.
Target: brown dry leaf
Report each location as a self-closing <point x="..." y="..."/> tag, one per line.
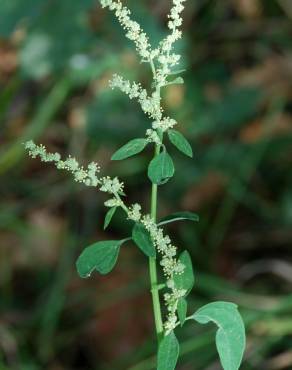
<point x="207" y="190"/>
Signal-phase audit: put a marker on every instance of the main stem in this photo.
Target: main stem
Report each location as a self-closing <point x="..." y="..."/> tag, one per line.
<point x="153" y="268"/>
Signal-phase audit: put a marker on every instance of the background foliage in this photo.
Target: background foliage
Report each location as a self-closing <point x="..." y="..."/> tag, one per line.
<point x="55" y="60"/>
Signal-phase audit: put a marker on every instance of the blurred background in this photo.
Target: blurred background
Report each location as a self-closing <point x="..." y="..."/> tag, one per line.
<point x="56" y="58"/>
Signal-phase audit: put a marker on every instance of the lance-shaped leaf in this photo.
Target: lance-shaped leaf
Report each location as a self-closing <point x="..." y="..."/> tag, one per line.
<point x="230" y="336"/>
<point x="178" y="71"/>
<point x="182" y="307"/>
<point x="178" y="81"/>
<point x="161" y="168"/>
<point x="179" y="216"/>
<point x="109" y="216"/>
<point x="133" y="147"/>
<point x="168" y="352"/>
<point x="101" y="256"/>
<point x="180" y="142"/>
<point x="143" y="240"/>
<point x="185" y="280"/>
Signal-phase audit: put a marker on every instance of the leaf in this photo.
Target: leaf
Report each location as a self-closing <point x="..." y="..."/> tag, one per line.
<point x="161" y="168"/>
<point x="168" y="352"/>
<point x="101" y="256"/>
<point x="143" y="240"/>
<point x="133" y="147"/>
<point x="109" y="216"/>
<point x="178" y="80"/>
<point x="182" y="307"/>
<point x="177" y="72"/>
<point x="180" y="142"/>
<point x="179" y="216"/>
<point x="185" y="280"/>
<point x="230" y="337"/>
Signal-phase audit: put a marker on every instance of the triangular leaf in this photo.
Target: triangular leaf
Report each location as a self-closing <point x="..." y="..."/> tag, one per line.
<point x="168" y="352"/>
<point x="109" y="216"/>
<point x="182" y="307"/>
<point x="161" y="168"/>
<point x="180" y="142"/>
<point x="185" y="280"/>
<point x="133" y="147"/>
<point x="230" y="337"/>
<point x="101" y="256"/>
<point x="143" y="240"/>
<point x="179" y="216"/>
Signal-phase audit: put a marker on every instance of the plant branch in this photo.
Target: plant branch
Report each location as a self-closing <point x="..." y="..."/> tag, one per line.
<point x="153" y="267"/>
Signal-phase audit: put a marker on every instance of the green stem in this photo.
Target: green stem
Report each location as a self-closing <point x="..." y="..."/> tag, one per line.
<point x="153" y="268"/>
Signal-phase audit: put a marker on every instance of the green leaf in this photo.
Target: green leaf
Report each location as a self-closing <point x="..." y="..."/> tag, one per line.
<point x="185" y="280"/>
<point x="177" y="72"/>
<point x="178" y="80"/>
<point x="109" y="216"/>
<point x="133" y="147"/>
<point x="182" y="307"/>
<point x="230" y="336"/>
<point x="168" y="352"/>
<point x="101" y="256"/>
<point x="161" y="168"/>
<point x="179" y="216"/>
<point x="180" y="142"/>
<point x="143" y="240"/>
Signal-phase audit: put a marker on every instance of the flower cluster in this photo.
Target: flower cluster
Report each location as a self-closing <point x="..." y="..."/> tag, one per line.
<point x="113" y="202"/>
<point x="149" y="104"/>
<point x="171" y="267"/>
<point x="134" y="212"/>
<point x="166" y="58"/>
<point x="169" y="263"/>
<point x="112" y="186"/>
<point x="87" y="176"/>
<point x="134" y="30"/>
<point x="164" y="124"/>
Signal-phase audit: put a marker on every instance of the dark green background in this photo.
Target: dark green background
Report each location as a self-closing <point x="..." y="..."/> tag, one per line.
<point x="56" y="57"/>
